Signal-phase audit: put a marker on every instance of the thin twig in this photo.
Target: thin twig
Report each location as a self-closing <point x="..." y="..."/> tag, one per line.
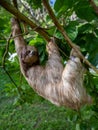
<point x="64" y="53"/>
<point x="6" y="51"/>
<point x="4" y="60"/>
<point x="22" y="34"/>
<point x="61" y="29"/>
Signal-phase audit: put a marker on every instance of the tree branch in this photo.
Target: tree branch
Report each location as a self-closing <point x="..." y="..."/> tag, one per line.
<point x="61" y="29"/>
<point x="94" y="6"/>
<point x="30" y="11"/>
<point x="22" y="17"/>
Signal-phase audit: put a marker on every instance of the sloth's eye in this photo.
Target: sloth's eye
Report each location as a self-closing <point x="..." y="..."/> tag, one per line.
<point x="28" y="52"/>
<point x="32" y="52"/>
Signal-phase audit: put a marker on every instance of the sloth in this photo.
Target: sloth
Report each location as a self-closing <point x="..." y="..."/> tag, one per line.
<point x="63" y="86"/>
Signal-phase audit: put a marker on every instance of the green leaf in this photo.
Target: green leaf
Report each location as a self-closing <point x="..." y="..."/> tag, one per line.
<point x="84" y="10"/>
<point x="85" y="28"/>
<point x="35" y="3"/>
<point x="62" y="6"/>
<point x="77" y="126"/>
<point x="36" y="41"/>
<point x="71" y="30"/>
<point x="92" y="47"/>
<point x="58" y="35"/>
<point x="96" y="31"/>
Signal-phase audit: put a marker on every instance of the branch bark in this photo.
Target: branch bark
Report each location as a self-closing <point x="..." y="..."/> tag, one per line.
<point x="94" y="6"/>
<point x="22" y="17"/>
<point x="61" y="29"/>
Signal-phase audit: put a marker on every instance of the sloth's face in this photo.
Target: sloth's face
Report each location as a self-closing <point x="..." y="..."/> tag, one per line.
<point x="29" y="55"/>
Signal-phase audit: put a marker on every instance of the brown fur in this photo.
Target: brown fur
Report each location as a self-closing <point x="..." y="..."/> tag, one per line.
<point x="29" y="57"/>
<point x="62" y="86"/>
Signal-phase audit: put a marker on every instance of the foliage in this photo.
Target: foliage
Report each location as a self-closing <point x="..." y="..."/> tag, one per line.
<point x="80" y="21"/>
<point x="41" y="115"/>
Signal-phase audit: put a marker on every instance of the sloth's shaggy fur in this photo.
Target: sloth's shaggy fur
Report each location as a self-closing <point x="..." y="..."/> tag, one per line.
<point x="62" y="86"/>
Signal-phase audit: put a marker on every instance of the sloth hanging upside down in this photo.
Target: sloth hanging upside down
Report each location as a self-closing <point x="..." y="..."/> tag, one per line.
<point x="62" y="86"/>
